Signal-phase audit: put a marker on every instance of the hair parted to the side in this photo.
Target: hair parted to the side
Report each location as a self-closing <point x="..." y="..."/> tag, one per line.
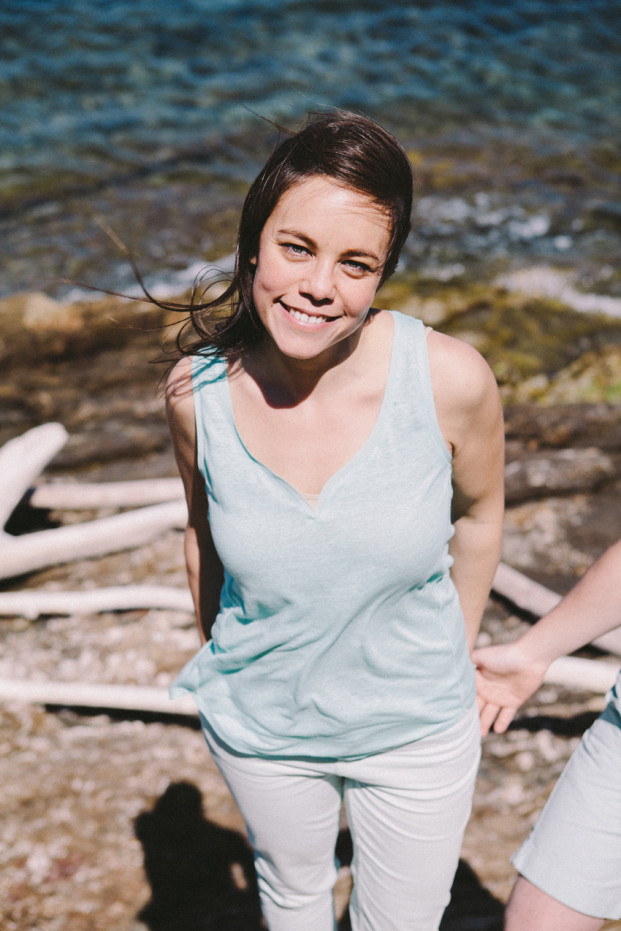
<point x="353" y="150"/>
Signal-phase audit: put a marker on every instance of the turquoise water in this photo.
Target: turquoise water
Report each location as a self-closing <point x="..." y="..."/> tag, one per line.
<point x="147" y="116"/>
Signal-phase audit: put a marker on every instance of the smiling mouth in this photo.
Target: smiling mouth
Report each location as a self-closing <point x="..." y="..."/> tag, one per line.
<point x="302" y="317"/>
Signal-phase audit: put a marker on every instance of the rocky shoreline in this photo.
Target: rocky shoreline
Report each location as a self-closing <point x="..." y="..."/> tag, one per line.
<point x="103" y="824"/>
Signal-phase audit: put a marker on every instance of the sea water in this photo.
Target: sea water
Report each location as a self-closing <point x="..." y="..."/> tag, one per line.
<point x="150" y="118"/>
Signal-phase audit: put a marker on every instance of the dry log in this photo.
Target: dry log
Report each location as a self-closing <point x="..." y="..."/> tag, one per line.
<point x="80" y="496"/>
<point x="523" y="592"/>
<point x="23" y="459"/>
<point x="20" y="555"/>
<point x="33" y="604"/>
<point x="557" y="472"/>
<point x="537" y="600"/>
<point x="583" y="674"/>
<point x="86" y="695"/>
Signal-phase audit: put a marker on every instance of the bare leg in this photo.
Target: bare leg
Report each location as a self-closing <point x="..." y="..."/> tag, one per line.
<point x="531" y="909"/>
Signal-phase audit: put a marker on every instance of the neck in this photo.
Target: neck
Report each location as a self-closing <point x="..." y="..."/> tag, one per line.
<point x="286" y="382"/>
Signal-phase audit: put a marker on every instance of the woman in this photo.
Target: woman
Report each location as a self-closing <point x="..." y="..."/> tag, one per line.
<point x="570" y="866"/>
<point x="344" y="474"/>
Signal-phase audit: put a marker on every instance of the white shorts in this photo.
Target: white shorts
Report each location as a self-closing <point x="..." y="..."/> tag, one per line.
<point x="574" y="850"/>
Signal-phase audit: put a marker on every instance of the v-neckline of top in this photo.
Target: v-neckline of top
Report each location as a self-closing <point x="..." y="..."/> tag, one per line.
<point x="313" y="508"/>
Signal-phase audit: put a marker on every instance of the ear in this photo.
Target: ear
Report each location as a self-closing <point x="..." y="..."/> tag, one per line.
<point x="254" y="260"/>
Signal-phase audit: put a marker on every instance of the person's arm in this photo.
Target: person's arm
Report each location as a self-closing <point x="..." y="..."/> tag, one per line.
<point x="470" y="417"/>
<point x="508" y="674"/>
<point x="205" y="573"/>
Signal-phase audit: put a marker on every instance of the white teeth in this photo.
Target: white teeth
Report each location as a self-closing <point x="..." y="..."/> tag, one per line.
<point x="305" y="318"/>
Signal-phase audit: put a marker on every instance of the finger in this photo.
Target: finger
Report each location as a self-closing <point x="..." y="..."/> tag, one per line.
<point x="488" y="715"/>
<point x="503" y="720"/>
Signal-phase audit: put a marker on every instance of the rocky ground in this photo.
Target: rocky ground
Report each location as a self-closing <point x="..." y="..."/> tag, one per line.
<point x="120" y="822"/>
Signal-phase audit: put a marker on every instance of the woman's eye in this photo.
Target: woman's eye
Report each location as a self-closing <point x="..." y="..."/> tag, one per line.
<point x="360" y="268"/>
<point x="294" y="248"/>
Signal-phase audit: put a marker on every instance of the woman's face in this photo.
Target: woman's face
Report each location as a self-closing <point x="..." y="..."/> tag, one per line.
<point x="320" y="262"/>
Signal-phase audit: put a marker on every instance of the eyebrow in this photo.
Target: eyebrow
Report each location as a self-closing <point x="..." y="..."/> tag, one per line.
<point x="350" y="254"/>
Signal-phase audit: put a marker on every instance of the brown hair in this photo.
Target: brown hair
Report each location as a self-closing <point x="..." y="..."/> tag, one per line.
<point x="352" y="149"/>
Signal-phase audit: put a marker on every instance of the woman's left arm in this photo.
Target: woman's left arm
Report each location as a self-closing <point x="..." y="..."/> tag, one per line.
<point x="470" y="417"/>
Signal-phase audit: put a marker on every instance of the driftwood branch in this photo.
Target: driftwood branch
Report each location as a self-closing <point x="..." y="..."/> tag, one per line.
<point x="583" y="674"/>
<point x="19" y="555"/>
<point x="573" y="673"/>
<point x="570" y="672"/>
<point x="86" y="695"/>
<point x="79" y="496"/>
<point x="23" y="459"/>
<point x="523" y="592"/>
<point x="33" y="604"/>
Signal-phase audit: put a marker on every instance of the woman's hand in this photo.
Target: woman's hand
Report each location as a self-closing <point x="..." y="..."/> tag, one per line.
<point x="506" y="677"/>
<point x="509" y="674"/>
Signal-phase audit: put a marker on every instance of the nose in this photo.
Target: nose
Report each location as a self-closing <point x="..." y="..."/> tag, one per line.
<point x="317" y="286"/>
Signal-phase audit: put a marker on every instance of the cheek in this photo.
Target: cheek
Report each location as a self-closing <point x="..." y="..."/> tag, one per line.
<point x="365" y="296"/>
<point x="271" y="277"/>
<point x="265" y="289"/>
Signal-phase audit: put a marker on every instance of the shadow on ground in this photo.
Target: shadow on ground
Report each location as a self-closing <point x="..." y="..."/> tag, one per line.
<point x="202" y="876"/>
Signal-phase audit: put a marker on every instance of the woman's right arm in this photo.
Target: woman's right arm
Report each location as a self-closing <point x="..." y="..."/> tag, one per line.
<point x="205" y="573"/>
<point x="509" y="674"/>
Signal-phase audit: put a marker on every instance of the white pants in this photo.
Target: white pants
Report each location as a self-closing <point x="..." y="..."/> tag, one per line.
<point x="406" y="809"/>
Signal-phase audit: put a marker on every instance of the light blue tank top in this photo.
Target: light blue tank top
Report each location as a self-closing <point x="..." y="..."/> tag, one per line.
<point x="340" y="632"/>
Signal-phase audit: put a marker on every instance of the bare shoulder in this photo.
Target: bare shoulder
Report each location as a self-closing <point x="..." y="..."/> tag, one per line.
<point x="465" y="391"/>
<point x="179" y="401"/>
<point x="459" y="372"/>
<point x="180" y="408"/>
<point x="179" y="381"/>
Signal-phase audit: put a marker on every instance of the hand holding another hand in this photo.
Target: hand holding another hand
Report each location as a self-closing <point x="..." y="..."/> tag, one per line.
<point x="505" y="677"/>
